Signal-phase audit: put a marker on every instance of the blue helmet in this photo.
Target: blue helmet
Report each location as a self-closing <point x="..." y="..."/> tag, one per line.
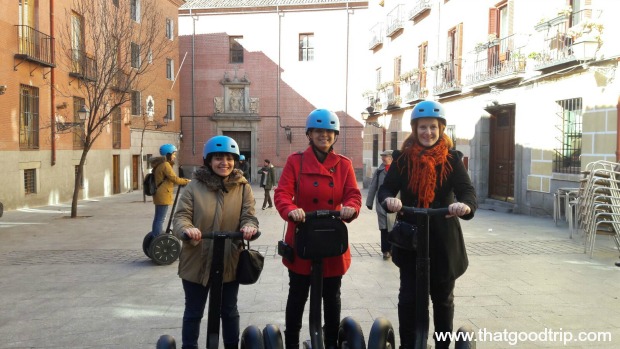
<point x="324" y="119"/>
<point x="241" y="157"/>
<point x="429" y="109"/>
<point x="167" y="149"/>
<point x="221" y="144"/>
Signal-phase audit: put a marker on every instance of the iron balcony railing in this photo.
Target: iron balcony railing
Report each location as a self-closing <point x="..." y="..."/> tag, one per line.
<point x="419" y="7"/>
<point x="395" y="20"/>
<point x="35" y="46"/>
<point x="497" y="59"/>
<point x="447" y="78"/>
<point x="83" y="66"/>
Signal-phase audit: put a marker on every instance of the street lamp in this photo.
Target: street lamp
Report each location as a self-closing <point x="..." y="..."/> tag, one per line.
<point x="82" y="113"/>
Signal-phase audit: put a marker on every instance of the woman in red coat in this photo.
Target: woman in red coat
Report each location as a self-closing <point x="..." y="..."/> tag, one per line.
<point x="325" y="181"/>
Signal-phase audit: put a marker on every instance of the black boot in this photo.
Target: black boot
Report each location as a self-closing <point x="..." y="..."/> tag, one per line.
<point x="291" y="339"/>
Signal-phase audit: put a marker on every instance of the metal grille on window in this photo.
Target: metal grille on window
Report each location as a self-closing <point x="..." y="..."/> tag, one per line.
<point x="567" y="157"/>
<point x="30" y="181"/>
<point x="29" y="120"/>
<point x="394" y="140"/>
<point x="375" y="150"/>
<point x="451" y="132"/>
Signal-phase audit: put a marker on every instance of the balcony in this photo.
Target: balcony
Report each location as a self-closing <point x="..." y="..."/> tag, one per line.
<point x="419" y="8"/>
<point x="376" y="36"/>
<point x="35" y="46"/>
<point x="82" y="66"/>
<point x="447" y="78"/>
<point x="499" y="62"/>
<point x="395" y="20"/>
<point x="120" y="82"/>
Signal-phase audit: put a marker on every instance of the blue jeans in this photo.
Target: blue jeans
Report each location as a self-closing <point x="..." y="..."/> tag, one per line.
<point x="195" y="301"/>
<point x="158" y="220"/>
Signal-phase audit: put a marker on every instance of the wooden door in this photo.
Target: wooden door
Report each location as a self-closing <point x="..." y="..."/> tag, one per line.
<point x="135" y="172"/>
<point x="502" y="154"/>
<point x="116" y="174"/>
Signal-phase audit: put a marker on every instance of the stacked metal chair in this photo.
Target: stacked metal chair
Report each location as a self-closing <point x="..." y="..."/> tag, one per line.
<point x="597" y="205"/>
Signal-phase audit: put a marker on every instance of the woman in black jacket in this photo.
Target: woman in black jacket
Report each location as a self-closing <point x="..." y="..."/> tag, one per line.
<point x="430" y="175"/>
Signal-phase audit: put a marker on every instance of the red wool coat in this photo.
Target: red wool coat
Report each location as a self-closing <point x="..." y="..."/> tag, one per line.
<point x="322" y="186"/>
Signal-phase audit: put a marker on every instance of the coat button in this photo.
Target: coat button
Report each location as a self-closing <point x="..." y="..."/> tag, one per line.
<point x="315" y="201"/>
<point x="330" y="201"/>
<point x="316" y="184"/>
<point x="331" y="184"/>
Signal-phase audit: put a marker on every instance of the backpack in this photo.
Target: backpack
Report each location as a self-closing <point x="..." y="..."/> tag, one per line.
<point x="149" y="186"/>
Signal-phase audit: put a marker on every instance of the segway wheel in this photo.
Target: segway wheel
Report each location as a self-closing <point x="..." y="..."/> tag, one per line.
<point x="165" y="249"/>
<point x="252" y="338"/>
<point x="381" y="335"/>
<point x="146" y="244"/>
<point x="166" y="342"/>
<point x="350" y="335"/>
<point x="272" y="337"/>
<point x="466" y="338"/>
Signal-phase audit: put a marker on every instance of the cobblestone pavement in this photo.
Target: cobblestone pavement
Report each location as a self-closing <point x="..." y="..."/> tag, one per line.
<point x="85" y="282"/>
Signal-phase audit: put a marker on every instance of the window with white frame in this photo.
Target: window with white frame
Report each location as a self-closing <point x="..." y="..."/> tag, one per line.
<point x="135" y="10"/>
<point x="306" y="47"/>
<point x="170" y="28"/>
<point x="169" y="69"/>
<point x="170" y="109"/>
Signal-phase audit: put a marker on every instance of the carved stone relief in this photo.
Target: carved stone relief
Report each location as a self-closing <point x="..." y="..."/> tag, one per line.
<point x="218" y="103"/>
<point x="254" y="105"/>
<point x="236" y="100"/>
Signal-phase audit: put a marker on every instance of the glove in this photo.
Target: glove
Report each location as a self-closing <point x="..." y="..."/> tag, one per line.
<point x="369" y="207"/>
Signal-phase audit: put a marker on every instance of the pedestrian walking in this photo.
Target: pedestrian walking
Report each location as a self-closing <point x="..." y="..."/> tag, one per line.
<point x="244" y="166"/>
<point x="428" y="174"/>
<point x="165" y="179"/>
<point x="217" y="200"/>
<point x="267" y="182"/>
<point x="327" y="182"/>
<point x="385" y="220"/>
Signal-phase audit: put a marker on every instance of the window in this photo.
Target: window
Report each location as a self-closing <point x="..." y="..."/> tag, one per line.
<point x="29" y="117"/>
<point x="170" y="109"/>
<point x="78" y="132"/>
<point x="169" y="69"/>
<point x="375" y="150"/>
<point x="116" y="128"/>
<point x="169" y="28"/>
<point x="394" y="140"/>
<point x="378" y="77"/>
<point x="568" y="156"/>
<point x="236" y="49"/>
<point x="81" y="179"/>
<point x="77" y="41"/>
<point x="30" y="181"/>
<point x="135" y="55"/>
<point x="422" y="60"/>
<point x="306" y="47"/>
<point x="135" y="103"/>
<point x="397" y="70"/>
<point x="135" y="10"/>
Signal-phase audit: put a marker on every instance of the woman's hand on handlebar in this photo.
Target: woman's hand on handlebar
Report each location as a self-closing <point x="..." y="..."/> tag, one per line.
<point x="458" y="209"/>
<point x="248" y="231"/>
<point x="393" y="204"/>
<point x="297" y="215"/>
<point x="347" y="212"/>
<point x="193" y="233"/>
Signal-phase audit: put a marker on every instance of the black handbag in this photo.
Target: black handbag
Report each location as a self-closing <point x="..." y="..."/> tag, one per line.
<point x="321" y="237"/>
<point x="404" y="235"/>
<point x="250" y="265"/>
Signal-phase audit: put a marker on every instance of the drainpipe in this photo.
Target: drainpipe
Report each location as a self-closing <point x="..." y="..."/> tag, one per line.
<point x="346" y="85"/>
<point x="52" y="91"/>
<point x="278" y="81"/>
<point x="618" y="132"/>
<point x="193" y="64"/>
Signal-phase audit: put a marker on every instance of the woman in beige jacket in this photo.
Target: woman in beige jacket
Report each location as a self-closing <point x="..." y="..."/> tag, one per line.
<point x="220" y="199"/>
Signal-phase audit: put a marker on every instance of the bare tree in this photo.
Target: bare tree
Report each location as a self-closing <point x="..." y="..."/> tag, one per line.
<point x="110" y="50"/>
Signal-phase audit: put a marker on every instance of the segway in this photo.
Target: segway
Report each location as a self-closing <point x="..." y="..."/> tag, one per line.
<point x="251" y="337"/>
<point x="382" y="333"/>
<point x="165" y="248"/>
<point x="350" y="335"/>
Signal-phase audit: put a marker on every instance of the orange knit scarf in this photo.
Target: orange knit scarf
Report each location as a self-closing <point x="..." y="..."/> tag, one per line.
<point x="422" y="170"/>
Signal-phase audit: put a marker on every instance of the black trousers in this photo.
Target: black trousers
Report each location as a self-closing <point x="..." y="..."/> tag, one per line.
<point x="299" y="288"/>
<point x="267" y="199"/>
<point x="442" y="296"/>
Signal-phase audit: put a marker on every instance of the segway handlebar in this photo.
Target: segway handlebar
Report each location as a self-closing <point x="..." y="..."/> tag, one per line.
<point x="223" y="235"/>
<point x="420" y="211"/>
<point x="322" y="214"/>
